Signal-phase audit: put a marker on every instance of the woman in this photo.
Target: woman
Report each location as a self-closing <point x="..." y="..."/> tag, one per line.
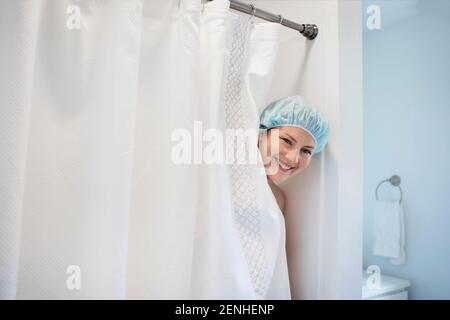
<point x="291" y="133"/>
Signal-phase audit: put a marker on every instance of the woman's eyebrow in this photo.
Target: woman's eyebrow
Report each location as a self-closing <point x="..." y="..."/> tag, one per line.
<point x="296" y="141"/>
<point x="291" y="137"/>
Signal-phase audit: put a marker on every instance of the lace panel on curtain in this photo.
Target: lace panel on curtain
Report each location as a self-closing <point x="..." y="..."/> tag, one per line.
<point x="247" y="213"/>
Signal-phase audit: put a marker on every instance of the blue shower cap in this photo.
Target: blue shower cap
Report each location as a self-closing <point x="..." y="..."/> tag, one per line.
<point x="295" y="112"/>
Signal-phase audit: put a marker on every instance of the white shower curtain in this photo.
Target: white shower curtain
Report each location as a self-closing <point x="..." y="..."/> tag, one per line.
<point x="86" y="177"/>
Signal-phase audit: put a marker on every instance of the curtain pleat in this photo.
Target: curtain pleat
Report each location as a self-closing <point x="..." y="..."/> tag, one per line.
<point x="87" y="129"/>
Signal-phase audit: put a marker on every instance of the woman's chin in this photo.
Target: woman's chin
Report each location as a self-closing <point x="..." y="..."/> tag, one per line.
<point x="277" y="178"/>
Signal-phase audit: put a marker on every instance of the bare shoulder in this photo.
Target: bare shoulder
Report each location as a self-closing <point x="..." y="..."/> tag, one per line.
<point x="279" y="196"/>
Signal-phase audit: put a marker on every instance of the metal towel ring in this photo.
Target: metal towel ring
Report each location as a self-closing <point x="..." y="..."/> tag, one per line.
<point x="395" y="181"/>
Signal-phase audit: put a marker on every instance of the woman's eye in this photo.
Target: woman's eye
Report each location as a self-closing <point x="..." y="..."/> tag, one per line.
<point x="287" y="141"/>
<point x="307" y="151"/>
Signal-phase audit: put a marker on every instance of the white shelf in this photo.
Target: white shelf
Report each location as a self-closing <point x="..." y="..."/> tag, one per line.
<point x="389" y="285"/>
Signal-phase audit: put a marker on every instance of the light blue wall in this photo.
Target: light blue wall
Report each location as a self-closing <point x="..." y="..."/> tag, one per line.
<point x="407" y="132"/>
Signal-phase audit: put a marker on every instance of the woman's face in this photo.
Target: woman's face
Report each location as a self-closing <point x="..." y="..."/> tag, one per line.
<point x="295" y="148"/>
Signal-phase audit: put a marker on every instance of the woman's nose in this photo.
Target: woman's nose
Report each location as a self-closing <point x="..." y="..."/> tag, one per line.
<point x="292" y="156"/>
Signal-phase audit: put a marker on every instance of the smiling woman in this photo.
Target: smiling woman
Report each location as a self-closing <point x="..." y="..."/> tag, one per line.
<point x="292" y="132"/>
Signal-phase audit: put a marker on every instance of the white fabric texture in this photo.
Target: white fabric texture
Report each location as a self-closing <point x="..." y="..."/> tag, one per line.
<point x="401" y="259"/>
<point x="85" y="168"/>
<point x="389" y="229"/>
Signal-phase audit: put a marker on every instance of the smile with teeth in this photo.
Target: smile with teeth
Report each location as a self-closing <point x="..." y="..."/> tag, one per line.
<point x="284" y="168"/>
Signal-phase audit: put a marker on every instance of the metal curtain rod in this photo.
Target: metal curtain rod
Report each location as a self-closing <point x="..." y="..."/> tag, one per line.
<point x="310" y="31"/>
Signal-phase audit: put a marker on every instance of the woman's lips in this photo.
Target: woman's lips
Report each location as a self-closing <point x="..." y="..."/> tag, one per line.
<point x="284" y="168"/>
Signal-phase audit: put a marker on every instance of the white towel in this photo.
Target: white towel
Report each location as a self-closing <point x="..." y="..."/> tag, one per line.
<point x="389" y="231"/>
<point x="401" y="259"/>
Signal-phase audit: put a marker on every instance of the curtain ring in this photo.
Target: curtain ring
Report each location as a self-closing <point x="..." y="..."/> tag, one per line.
<point x="280" y="21"/>
<point x="253" y="10"/>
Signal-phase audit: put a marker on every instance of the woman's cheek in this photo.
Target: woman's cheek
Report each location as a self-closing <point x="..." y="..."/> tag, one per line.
<point x="265" y="158"/>
<point x="264" y="153"/>
<point x="305" y="164"/>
